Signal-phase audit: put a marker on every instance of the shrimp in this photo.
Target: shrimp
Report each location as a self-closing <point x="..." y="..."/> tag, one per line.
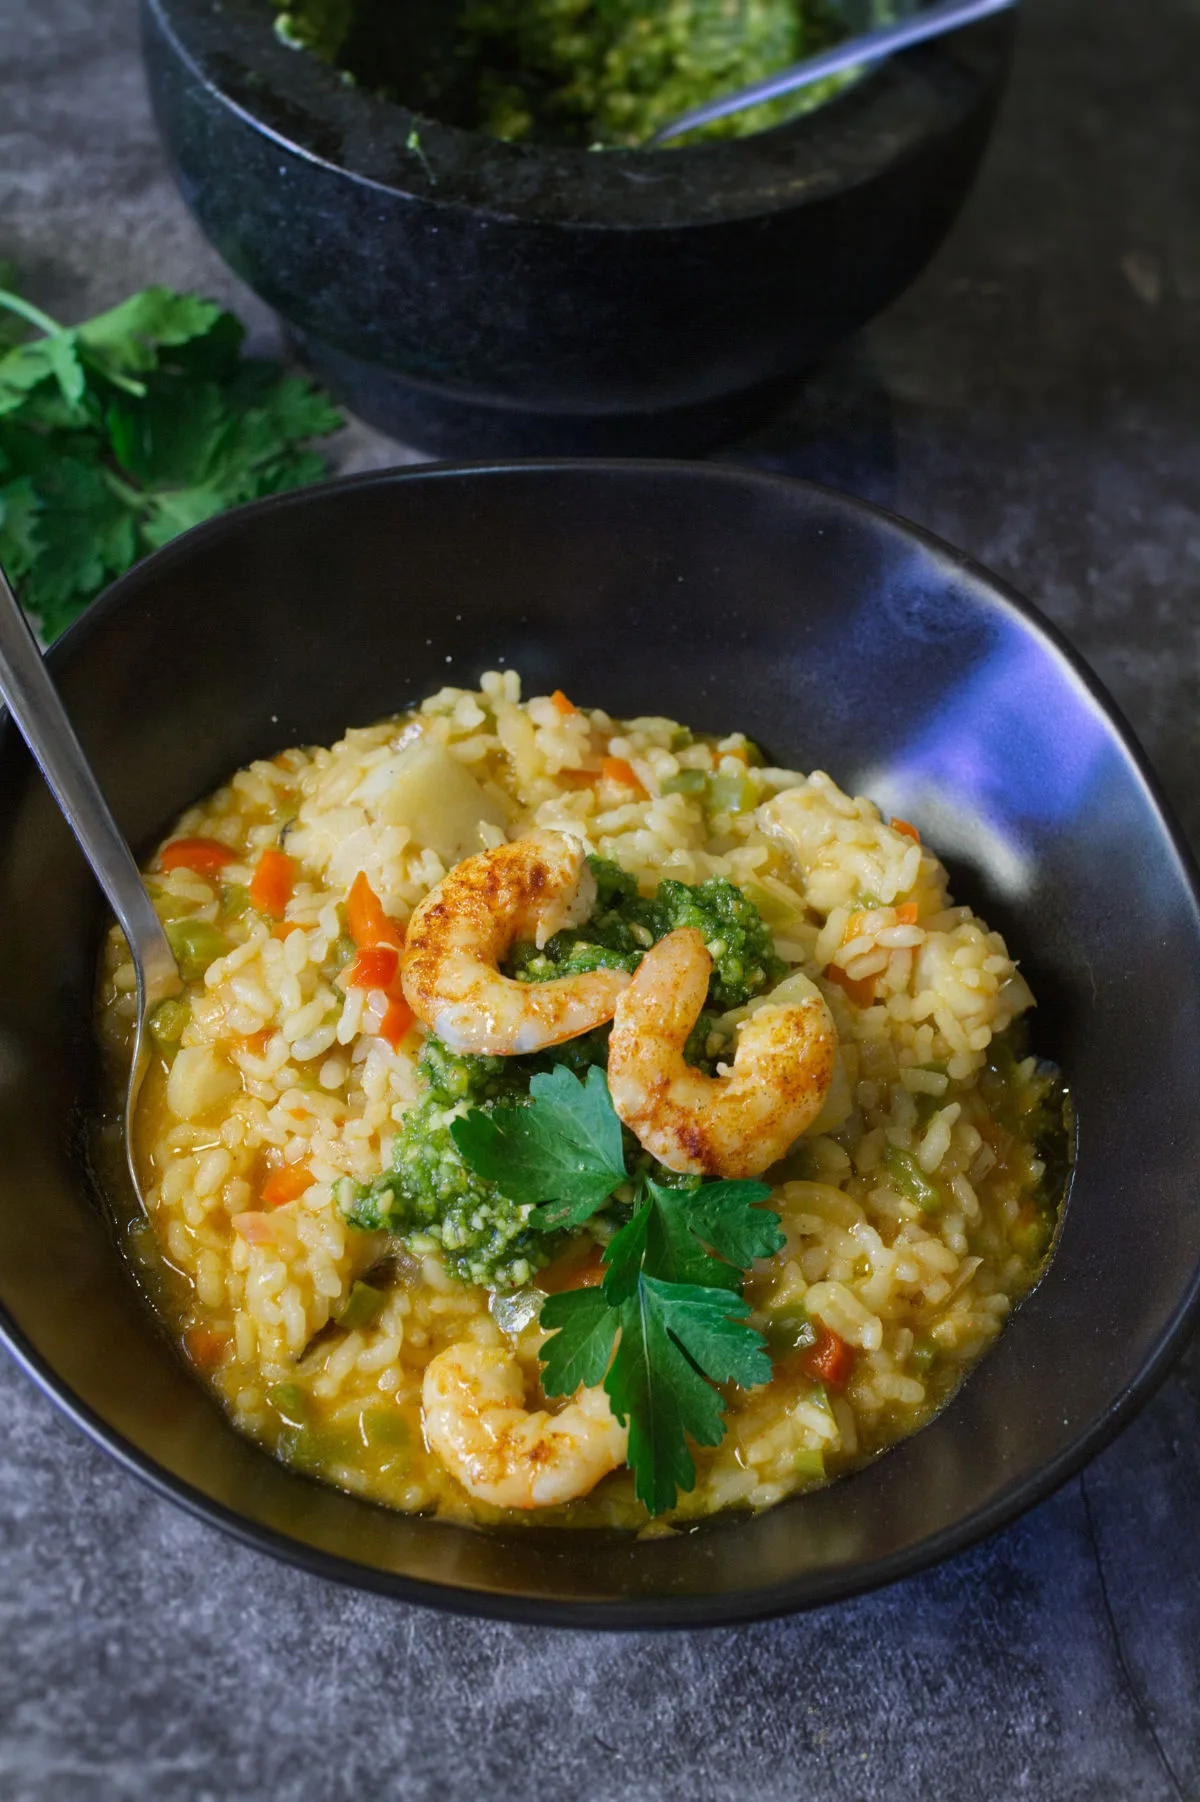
<point x="473" y="1404"/>
<point x="459" y="933"/>
<point x="735" y="1125"/>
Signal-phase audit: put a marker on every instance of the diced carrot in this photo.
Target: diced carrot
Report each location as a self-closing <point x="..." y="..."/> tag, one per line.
<point x="579" y="778"/>
<point x="573" y="1272"/>
<point x="565" y="707"/>
<point x="616" y="769"/>
<point x="205" y="1346"/>
<point x="858" y="989"/>
<point x="272" y="883"/>
<point x="903" y="826"/>
<point x="285" y="1184"/>
<point x="204" y="855"/>
<point x="285" y="929"/>
<point x="906" y="914"/>
<point x="830" y="1360"/>
<point x="396" y="1022"/>
<point x="374" y="968"/>
<point x="367" y="923"/>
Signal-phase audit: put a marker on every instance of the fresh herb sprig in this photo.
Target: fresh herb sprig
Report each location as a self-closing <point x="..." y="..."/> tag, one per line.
<point x="668" y="1322"/>
<point x="122" y="431"/>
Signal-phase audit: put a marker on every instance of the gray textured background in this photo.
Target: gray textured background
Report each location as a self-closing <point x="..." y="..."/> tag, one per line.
<point x="1035" y="399"/>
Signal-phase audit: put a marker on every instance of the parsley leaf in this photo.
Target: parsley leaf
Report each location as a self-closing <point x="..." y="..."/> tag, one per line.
<point x="677" y="1341"/>
<point x="563" y="1149"/>
<point x="122" y="431"/>
<point x="584" y="1325"/>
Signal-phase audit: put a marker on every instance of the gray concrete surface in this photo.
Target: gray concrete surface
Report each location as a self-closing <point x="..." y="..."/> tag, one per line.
<point x="1035" y="399"/>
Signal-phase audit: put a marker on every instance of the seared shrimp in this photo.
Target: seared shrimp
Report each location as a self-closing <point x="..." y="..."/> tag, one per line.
<point x="733" y="1125"/>
<point x="477" y="1423"/>
<point x="457" y="936"/>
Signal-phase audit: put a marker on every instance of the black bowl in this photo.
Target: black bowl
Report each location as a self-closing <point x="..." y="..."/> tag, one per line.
<point x="473" y="296"/>
<point x="839" y="637"/>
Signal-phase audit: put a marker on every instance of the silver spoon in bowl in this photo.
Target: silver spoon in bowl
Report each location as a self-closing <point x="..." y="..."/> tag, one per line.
<point x="868" y="47"/>
<point x="41" y="719"/>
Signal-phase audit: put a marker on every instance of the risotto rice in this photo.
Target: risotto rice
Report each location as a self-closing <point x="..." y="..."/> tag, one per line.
<point x="916" y="1210"/>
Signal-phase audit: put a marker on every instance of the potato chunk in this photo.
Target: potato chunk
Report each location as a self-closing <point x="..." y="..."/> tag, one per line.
<point x="427" y="789"/>
<point x="200" y="1081"/>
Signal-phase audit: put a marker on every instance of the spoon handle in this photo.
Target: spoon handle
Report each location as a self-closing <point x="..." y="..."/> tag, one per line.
<point x="885" y="40"/>
<point x="34" y="703"/>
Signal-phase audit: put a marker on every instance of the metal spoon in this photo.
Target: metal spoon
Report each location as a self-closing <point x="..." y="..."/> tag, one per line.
<point x="870" y="47"/>
<point x="34" y="703"/>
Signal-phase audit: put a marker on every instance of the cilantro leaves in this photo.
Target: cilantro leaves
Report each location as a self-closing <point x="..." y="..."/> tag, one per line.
<point x="118" y="433"/>
<point x="668" y="1323"/>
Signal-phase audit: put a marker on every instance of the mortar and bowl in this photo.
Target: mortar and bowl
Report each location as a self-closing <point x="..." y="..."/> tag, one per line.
<point x="467" y="294"/>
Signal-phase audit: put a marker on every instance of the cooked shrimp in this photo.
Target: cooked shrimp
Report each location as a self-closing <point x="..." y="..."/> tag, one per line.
<point x="477" y="1423"/>
<point x="733" y="1125"/>
<point x="459" y="933"/>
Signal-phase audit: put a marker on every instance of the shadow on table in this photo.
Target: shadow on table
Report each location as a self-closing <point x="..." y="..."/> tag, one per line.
<point x="835" y="426"/>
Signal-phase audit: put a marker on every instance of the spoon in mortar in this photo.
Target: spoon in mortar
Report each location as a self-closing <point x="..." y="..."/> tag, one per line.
<point x="41" y="719"/>
<point x="852" y="53"/>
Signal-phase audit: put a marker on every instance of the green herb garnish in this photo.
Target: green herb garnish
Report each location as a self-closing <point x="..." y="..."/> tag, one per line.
<point x="119" y="433"/>
<point x="671" y="1300"/>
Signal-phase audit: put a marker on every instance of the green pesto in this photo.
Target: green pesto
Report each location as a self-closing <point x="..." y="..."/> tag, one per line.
<point x="625" y="923"/>
<point x="431" y="1193"/>
<point x="589" y="72"/>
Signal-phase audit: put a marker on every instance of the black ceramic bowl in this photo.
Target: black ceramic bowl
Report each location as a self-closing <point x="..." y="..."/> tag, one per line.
<point x="839" y="637"/>
<point x="478" y="297"/>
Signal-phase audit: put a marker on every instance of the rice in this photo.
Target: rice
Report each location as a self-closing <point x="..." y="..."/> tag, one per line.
<point x="277" y="1070"/>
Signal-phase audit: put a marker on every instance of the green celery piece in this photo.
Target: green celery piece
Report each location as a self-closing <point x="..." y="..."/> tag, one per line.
<point x="809" y="1462"/>
<point x="290" y="1403"/>
<point x="687" y="782"/>
<point x="731" y="794"/>
<point x="911" y="1180"/>
<point x="235" y="900"/>
<point x="363" y="1307"/>
<point x="788" y="1330"/>
<point x="167" y="1022"/>
<point x="383" y="1429"/>
<point x="773" y="908"/>
<point x="196" y="944"/>
<point x="564" y="1149"/>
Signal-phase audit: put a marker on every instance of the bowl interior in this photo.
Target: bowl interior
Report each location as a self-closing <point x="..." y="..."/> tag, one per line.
<point x="841" y="640"/>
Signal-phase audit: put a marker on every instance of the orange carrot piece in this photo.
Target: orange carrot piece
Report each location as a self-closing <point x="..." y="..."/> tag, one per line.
<point x="908" y="830"/>
<point x="256" y="1042"/>
<point x="573" y="1272"/>
<point x="906" y="914"/>
<point x="204" y="855"/>
<point x="616" y="769"/>
<point x="366" y="921"/>
<point x="374" y="968"/>
<point x="285" y="1184"/>
<point x="285" y="929"/>
<point x="858" y="989"/>
<point x="272" y="883"/>
<point x="396" y="1022"/>
<point x="205" y="1346"/>
<point x="565" y="707"/>
<point x="830" y="1360"/>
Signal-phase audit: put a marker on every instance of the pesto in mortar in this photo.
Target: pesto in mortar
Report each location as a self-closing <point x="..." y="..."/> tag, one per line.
<point x="576" y="72"/>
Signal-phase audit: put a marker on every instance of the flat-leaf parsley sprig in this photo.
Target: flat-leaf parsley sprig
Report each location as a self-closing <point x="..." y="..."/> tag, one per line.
<point x="668" y="1322"/>
<point x="122" y="431"/>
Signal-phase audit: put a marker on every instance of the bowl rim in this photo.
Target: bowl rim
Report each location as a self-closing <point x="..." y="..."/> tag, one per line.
<point x="873" y="124"/>
<point x="656" y="1612"/>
